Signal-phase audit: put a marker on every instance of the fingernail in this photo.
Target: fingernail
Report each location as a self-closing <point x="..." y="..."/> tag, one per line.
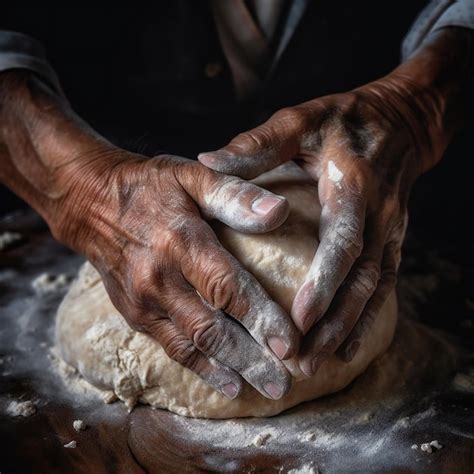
<point x="274" y="390"/>
<point x="265" y="204"/>
<point x="278" y="346"/>
<point x="230" y="390"/>
<point x="207" y="158"/>
<point x="351" y="350"/>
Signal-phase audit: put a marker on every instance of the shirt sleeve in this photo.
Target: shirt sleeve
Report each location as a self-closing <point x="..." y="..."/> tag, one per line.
<point x="19" y="51"/>
<point x="437" y="14"/>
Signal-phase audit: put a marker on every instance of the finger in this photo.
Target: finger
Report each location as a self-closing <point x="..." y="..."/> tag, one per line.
<point x="241" y="205"/>
<point x="222" y="281"/>
<point x="263" y="148"/>
<point x="182" y="350"/>
<point x="341" y="230"/>
<point x="222" y="339"/>
<point x="325" y="338"/>
<point x="387" y="282"/>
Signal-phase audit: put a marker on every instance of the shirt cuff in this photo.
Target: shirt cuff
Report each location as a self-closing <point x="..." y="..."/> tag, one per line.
<point x="19" y="51"/>
<point x="438" y="14"/>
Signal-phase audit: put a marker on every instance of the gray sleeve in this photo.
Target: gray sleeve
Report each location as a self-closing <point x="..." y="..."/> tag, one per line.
<point x="438" y="14"/>
<point x="21" y="51"/>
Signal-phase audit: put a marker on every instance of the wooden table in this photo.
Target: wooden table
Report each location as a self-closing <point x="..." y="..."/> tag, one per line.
<point x="148" y="440"/>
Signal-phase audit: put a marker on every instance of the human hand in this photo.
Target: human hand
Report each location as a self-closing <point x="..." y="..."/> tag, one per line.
<point x="140" y="223"/>
<point x="365" y="148"/>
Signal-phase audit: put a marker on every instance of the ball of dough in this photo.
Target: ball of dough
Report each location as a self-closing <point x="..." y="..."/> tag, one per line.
<point x="94" y="338"/>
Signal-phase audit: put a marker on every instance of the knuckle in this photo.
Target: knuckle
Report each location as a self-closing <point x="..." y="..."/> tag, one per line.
<point x="400" y="227"/>
<point x="348" y="240"/>
<point x="221" y="289"/>
<point x="141" y="291"/>
<point x="252" y="139"/>
<point x="182" y="351"/>
<point x="210" y="338"/>
<point x="294" y="117"/>
<point x="389" y="277"/>
<point x="184" y="233"/>
<point x="366" y="279"/>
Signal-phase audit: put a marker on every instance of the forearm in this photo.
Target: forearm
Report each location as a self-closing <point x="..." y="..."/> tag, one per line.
<point x="44" y="145"/>
<point x="440" y="76"/>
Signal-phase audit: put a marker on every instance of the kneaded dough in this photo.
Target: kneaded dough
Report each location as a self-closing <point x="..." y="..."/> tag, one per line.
<point x="94" y="338"/>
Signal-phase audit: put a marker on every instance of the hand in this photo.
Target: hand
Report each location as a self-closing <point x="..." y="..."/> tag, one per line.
<point x="140" y="224"/>
<point x="365" y="148"/>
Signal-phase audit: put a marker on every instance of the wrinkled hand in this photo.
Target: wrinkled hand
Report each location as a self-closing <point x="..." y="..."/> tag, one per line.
<point x="365" y="148"/>
<point x="139" y="222"/>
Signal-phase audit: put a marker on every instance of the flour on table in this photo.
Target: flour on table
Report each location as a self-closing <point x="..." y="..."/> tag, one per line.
<point x="305" y="469"/>
<point x="71" y="445"/>
<point x="79" y="425"/>
<point x="18" y="408"/>
<point x="261" y="439"/>
<point x="47" y="283"/>
<point x="431" y="446"/>
<point x="307" y="436"/>
<point x="8" y="239"/>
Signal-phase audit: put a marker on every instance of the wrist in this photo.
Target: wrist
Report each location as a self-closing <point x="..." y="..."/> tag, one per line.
<point x="435" y="85"/>
<point x="46" y="150"/>
<point x="93" y="183"/>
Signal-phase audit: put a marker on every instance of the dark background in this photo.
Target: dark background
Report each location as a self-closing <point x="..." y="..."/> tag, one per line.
<point x="141" y="77"/>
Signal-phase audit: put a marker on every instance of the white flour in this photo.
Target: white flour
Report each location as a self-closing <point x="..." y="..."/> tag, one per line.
<point x="334" y="173"/>
<point x="7" y="239"/>
<point x="18" y="408"/>
<point x="47" y="283"/>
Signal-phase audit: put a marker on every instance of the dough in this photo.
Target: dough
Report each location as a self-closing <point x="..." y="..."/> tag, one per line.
<point x="94" y="338"/>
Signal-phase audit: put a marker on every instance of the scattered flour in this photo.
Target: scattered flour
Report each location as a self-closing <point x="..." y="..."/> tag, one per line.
<point x="79" y="425"/>
<point x="305" y="469"/>
<point x="428" y="447"/>
<point x="47" y="283"/>
<point x="7" y="239"/>
<point x="408" y="421"/>
<point x="261" y="439"/>
<point x="436" y="444"/>
<point x="307" y="436"/>
<point x="26" y="408"/>
<point x="71" y="444"/>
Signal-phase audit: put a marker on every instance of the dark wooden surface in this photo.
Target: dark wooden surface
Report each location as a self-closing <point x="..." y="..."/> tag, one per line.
<point x="157" y="441"/>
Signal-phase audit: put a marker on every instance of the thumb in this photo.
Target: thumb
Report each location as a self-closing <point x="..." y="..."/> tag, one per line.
<point x="263" y="148"/>
<point x="237" y="203"/>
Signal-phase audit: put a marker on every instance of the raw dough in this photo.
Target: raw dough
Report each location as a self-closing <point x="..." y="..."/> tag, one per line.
<point x="94" y="338"/>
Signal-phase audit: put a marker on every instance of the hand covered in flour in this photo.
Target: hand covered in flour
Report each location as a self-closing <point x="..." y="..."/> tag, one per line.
<point x="141" y="223"/>
<point x="365" y="148"/>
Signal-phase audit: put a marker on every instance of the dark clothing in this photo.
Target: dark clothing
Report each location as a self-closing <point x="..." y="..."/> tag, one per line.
<point x="158" y="79"/>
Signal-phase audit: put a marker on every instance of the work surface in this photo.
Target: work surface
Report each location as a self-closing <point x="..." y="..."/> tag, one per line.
<point x="330" y="435"/>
